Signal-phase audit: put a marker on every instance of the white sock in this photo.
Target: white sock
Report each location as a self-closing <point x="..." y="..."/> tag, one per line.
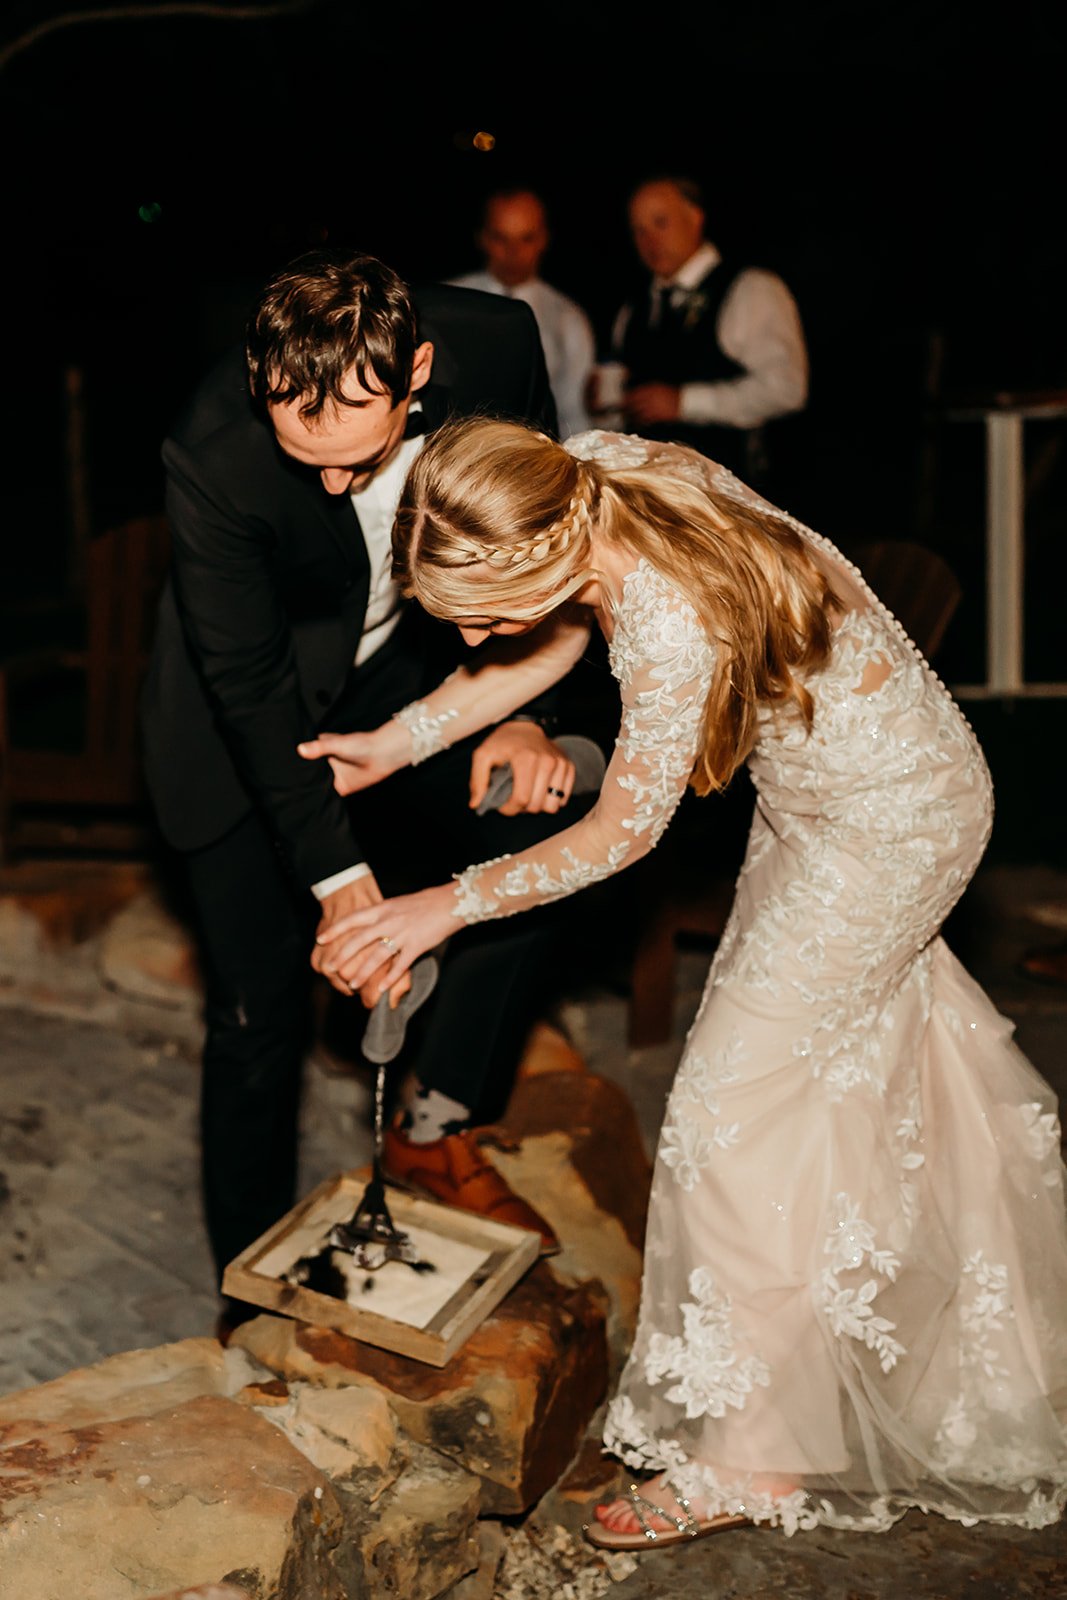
<point x="428" y="1115"/>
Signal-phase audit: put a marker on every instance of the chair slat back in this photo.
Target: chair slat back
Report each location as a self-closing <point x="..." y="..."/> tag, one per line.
<point x="918" y="586"/>
<point x="125" y="571"/>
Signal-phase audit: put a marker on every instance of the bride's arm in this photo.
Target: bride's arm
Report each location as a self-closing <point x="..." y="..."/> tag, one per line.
<point x="507" y="674"/>
<point x="665" y="674"/>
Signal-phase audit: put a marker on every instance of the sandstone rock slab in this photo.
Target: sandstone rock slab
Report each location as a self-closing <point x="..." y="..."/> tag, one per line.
<point x="205" y="1492"/>
<point x="348" y="1434"/>
<point x="207" y="1591"/>
<point x="418" y="1538"/>
<point x="136" y="1383"/>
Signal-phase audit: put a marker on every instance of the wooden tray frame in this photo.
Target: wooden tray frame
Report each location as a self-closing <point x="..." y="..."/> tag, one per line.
<point x="512" y="1252"/>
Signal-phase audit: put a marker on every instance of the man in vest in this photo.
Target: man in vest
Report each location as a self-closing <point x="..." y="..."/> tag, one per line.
<point x="715" y="349"/>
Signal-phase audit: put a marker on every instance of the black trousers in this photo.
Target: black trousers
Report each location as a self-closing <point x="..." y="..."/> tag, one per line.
<point x="257" y="926"/>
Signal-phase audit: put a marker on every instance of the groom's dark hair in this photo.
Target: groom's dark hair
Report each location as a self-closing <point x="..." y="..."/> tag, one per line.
<point x="328" y="313"/>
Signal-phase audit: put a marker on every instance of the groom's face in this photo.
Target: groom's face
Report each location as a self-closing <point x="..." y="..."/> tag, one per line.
<point x="347" y="444"/>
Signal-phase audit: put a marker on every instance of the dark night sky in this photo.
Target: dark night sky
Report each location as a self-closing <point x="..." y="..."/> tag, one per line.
<point x="901" y="165"/>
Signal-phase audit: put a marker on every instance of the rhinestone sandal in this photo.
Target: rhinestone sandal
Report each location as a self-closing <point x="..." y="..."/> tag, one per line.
<point x="685" y="1527"/>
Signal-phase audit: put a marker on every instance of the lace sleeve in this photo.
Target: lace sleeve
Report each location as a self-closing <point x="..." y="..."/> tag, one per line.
<point x="662" y="659"/>
<point x="507" y="675"/>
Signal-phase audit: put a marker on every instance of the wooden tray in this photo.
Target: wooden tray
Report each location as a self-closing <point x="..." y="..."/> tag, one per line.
<point x="485" y="1259"/>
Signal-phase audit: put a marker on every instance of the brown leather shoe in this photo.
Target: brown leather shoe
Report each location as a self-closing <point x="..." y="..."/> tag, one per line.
<point x="454" y="1170"/>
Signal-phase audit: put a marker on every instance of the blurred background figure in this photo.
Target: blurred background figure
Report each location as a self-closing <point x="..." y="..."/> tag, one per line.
<point x="714" y="350"/>
<point x="513" y="238"/>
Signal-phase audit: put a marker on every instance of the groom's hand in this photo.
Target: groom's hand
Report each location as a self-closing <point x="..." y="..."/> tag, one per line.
<point x="354" y="896"/>
<point x="542" y="776"/>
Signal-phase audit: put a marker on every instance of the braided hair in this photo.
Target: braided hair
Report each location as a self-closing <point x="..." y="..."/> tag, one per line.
<point x="497" y="520"/>
<point x="504" y="498"/>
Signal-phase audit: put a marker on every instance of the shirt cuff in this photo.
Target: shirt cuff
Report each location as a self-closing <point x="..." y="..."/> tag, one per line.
<point x="328" y="886"/>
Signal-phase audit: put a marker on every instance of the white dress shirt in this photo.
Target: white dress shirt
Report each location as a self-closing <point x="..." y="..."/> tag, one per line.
<point x="375" y="505"/>
<point x="566" y="337"/>
<point x="758" y="327"/>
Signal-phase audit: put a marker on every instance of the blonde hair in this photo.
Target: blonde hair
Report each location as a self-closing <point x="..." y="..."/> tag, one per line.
<point x="512" y="502"/>
<point x="484" y="493"/>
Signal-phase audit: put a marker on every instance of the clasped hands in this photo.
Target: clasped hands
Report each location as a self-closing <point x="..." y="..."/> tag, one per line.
<point x="368" y="944"/>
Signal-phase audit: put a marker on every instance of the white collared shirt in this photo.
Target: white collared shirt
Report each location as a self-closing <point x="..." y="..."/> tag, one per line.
<point x="566" y="338"/>
<point x="758" y="327"/>
<point x="375" y="505"/>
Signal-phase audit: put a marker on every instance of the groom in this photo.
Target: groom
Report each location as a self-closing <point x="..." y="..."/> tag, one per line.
<point x="281" y="620"/>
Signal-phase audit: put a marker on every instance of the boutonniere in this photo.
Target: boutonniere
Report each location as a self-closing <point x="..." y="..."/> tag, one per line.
<point x="693" y="306"/>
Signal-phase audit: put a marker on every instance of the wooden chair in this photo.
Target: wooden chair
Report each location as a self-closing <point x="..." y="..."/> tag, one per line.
<point x="916" y="584"/>
<point x="919" y="588"/>
<point x="87" y="791"/>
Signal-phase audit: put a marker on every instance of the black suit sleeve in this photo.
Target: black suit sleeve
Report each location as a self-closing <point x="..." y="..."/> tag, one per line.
<point x="540" y="405"/>
<point x="239" y="637"/>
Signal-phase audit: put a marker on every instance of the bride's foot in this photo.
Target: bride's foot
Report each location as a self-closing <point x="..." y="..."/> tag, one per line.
<point x="656" y="1509"/>
<point x="620" y="1516"/>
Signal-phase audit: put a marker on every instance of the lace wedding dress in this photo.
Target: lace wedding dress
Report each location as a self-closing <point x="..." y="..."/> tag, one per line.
<point x="856" y="1258"/>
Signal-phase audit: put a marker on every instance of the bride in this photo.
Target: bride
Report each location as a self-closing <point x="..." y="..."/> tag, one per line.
<point x="855" y="1286"/>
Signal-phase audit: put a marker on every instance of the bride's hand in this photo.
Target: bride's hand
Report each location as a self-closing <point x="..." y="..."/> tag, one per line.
<point x="358" y="760"/>
<point x="405" y="927"/>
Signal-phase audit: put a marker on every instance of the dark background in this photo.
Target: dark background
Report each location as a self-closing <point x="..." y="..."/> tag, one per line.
<point x="900" y="165"/>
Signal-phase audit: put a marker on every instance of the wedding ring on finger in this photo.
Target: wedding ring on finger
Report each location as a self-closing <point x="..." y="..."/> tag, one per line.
<point x="560" y="794"/>
<point x="390" y="944"/>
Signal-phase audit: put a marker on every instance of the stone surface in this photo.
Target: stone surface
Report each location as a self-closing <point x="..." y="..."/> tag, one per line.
<point x="146" y="953"/>
<point x="418" y="1538"/>
<point x="547" y="1049"/>
<point x="511" y="1405"/>
<point x="102" y="1244"/>
<point x="595" y="1246"/>
<point x="591" y="1476"/>
<point x="205" y="1492"/>
<point x="481" y="1583"/>
<point x="346" y="1433"/>
<point x="55" y="919"/>
<point x="134" y="1384"/>
<point x="67" y="901"/>
<point x="542" y="1560"/>
<point x="925" y="1557"/>
<point x="606" y="1146"/>
<point x="207" y="1591"/>
<point x="581" y="1162"/>
<point x="401" y="1517"/>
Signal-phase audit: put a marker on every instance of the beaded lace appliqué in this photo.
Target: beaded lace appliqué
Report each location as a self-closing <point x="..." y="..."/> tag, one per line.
<point x="663" y="662"/>
<point x="427" y="731"/>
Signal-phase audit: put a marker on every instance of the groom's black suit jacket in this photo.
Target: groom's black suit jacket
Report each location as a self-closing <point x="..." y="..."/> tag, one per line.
<point x="263" y="612"/>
